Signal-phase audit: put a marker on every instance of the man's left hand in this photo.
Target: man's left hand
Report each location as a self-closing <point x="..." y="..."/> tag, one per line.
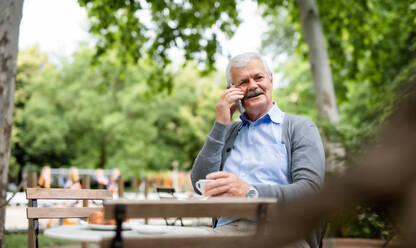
<point x="225" y="184"/>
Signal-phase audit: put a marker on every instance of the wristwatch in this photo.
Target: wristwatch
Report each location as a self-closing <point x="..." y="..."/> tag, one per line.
<point x="252" y="192"/>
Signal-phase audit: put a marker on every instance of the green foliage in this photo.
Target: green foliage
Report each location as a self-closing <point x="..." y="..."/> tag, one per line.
<point x="297" y="97"/>
<point x="104" y="117"/>
<point x="35" y="95"/>
<point x="148" y="29"/>
<point x="370" y="43"/>
<point x="363" y="222"/>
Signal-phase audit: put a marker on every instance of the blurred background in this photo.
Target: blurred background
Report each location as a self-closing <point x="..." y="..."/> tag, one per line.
<point x="104" y="85"/>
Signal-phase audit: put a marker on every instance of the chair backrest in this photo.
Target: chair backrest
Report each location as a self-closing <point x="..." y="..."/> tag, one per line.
<point x="169" y="191"/>
<point x="34" y="212"/>
<point x="212" y="207"/>
<point x="34" y="194"/>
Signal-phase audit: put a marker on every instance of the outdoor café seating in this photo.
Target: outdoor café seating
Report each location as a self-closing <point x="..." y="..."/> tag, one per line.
<point x="35" y="212"/>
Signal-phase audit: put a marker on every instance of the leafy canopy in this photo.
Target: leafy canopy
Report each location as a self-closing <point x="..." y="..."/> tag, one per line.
<point x="371" y="47"/>
<point x="148" y="28"/>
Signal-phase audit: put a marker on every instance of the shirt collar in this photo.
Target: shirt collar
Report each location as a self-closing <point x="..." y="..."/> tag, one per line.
<point x="275" y="115"/>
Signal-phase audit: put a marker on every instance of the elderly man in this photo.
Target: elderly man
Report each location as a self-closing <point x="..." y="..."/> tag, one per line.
<point x="269" y="153"/>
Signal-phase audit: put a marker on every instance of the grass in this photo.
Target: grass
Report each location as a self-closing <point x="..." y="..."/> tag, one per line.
<point x="19" y="240"/>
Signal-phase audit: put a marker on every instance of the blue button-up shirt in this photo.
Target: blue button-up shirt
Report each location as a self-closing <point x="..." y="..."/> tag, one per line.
<point x="259" y="154"/>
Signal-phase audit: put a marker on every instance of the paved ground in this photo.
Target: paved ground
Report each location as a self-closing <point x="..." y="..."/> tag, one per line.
<point x="16" y="218"/>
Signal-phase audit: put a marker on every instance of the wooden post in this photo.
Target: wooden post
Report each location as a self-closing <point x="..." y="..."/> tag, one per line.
<point x="120" y="182"/>
<point x="31" y="183"/>
<point x="146" y="193"/>
<point x="32" y="180"/>
<point x="86" y="184"/>
<point x="146" y="187"/>
<point x="134" y="183"/>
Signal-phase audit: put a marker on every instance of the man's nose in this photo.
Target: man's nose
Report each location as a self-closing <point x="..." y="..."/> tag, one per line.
<point x="252" y="84"/>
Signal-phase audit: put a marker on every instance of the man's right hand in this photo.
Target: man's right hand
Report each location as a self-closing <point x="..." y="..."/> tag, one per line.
<point x="226" y="105"/>
<point x="225" y="184"/>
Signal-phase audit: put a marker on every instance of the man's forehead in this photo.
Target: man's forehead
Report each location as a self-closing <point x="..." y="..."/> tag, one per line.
<point x="254" y="67"/>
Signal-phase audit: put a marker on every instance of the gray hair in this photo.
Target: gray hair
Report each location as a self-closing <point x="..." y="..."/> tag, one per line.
<point x="242" y="60"/>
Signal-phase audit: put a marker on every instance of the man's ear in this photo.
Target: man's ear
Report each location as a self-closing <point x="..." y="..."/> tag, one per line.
<point x="271" y="77"/>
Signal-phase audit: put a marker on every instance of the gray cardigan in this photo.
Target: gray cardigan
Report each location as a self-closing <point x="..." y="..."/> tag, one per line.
<point x="305" y="153"/>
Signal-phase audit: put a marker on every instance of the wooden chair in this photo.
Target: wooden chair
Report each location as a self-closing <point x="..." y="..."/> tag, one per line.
<point x="119" y="210"/>
<point x="34" y="213"/>
<point x="168" y="193"/>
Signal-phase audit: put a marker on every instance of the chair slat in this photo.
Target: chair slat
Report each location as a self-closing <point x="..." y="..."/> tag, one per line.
<point x="236" y="241"/>
<point x="225" y="207"/>
<point x="169" y="190"/>
<point x="56" y="213"/>
<point x="68" y="194"/>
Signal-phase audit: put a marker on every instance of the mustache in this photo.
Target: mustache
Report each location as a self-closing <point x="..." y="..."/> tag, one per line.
<point x="255" y="92"/>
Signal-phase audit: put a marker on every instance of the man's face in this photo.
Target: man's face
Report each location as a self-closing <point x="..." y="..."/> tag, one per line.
<point x="257" y="87"/>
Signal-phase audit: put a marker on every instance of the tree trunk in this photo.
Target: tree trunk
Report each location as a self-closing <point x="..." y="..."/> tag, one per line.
<point x="318" y="58"/>
<point x="322" y="78"/>
<point x="10" y="16"/>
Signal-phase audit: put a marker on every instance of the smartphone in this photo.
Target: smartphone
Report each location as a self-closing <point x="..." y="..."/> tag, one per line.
<point x="240" y="105"/>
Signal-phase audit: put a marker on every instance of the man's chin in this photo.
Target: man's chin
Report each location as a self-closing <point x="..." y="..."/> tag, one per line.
<point x="254" y="107"/>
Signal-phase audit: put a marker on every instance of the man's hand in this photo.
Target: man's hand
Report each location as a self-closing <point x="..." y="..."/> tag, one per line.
<point x="225" y="184"/>
<point x="226" y="107"/>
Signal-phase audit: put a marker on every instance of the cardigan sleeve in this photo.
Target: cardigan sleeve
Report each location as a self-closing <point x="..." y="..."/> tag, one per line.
<point x="209" y="158"/>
